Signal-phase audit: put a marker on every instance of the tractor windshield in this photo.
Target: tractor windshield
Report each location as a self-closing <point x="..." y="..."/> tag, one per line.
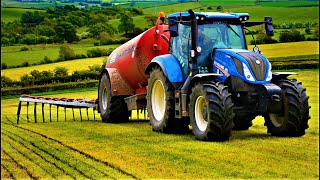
<point x="220" y="35"/>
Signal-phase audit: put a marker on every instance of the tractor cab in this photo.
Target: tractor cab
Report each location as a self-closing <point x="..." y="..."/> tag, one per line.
<point x="213" y="31"/>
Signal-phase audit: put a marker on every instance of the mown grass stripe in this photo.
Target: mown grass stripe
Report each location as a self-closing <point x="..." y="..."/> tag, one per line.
<point x="7" y="170"/>
<point x="61" y="160"/>
<point x="82" y="153"/>
<point x="51" y="147"/>
<point x="19" y="165"/>
<point x="41" y="156"/>
<point x="18" y="149"/>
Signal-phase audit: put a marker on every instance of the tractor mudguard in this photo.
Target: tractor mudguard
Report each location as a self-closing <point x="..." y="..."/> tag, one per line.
<point x="170" y="67"/>
<point x="202" y="78"/>
<point x="119" y="86"/>
<point x="281" y="75"/>
<point x="274" y="96"/>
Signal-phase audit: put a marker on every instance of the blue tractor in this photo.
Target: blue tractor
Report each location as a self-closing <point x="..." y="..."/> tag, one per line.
<point x="212" y="81"/>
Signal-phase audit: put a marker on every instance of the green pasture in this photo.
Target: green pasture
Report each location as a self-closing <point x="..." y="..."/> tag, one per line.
<point x="139" y="21"/>
<point x="257" y="13"/>
<point x="146" y="4"/>
<point x="11" y="55"/>
<point x="283" y="51"/>
<point x="289" y="3"/>
<point x="280" y="14"/>
<point x="11" y="14"/>
<point x="289" y="49"/>
<point x="72" y="65"/>
<point x="32" y="5"/>
<point x="91" y="149"/>
<point x="228" y="3"/>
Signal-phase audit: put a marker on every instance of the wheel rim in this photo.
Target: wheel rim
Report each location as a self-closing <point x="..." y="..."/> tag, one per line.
<point x="200" y="113"/>
<point x="279" y="119"/>
<point x="158" y="100"/>
<point x="276" y="119"/>
<point x="104" y="98"/>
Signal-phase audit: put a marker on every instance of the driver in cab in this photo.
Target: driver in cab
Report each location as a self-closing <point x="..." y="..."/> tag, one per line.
<point x="207" y="45"/>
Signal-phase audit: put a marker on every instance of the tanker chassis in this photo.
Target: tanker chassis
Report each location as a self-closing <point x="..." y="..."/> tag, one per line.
<point x="198" y="70"/>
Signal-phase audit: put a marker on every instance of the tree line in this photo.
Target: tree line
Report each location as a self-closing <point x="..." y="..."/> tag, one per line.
<point x="57" y="25"/>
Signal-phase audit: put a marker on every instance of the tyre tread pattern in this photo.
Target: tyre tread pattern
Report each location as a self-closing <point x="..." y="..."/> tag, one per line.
<point x="118" y="111"/>
<point x="298" y="110"/>
<point x="220" y="111"/>
<point x="169" y="124"/>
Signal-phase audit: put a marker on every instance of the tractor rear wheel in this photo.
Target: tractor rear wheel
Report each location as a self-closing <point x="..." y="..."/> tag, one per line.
<point x="160" y="104"/>
<point x="242" y="123"/>
<point x="211" y="112"/>
<point x="112" y="109"/>
<point x="293" y="121"/>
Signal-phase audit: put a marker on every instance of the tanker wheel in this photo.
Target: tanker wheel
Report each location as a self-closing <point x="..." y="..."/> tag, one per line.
<point x="211" y="112"/>
<point x="293" y="120"/>
<point x="160" y="104"/>
<point x="243" y="123"/>
<point x="112" y="109"/>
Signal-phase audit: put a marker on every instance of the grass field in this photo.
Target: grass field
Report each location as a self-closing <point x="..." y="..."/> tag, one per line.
<point x="94" y="150"/>
<point x="11" y="14"/>
<point x="282" y="50"/>
<point x="288" y="49"/>
<point x="279" y="14"/>
<point x="290" y="3"/>
<point x="11" y="55"/>
<point x="73" y="65"/>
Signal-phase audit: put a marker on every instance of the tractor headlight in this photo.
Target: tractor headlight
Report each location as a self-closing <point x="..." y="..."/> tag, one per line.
<point x="269" y="77"/>
<point x="247" y="72"/>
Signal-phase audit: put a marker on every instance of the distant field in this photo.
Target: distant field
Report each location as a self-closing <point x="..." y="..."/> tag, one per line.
<point x="289" y="3"/>
<point x="146" y="4"/>
<point x="173" y="8"/>
<point x="42" y="5"/>
<point x="11" y="14"/>
<point x="289" y="49"/>
<point x="283" y="50"/>
<point x="280" y="14"/>
<point x="228" y="3"/>
<point x="137" y="20"/>
<point x="11" y="55"/>
<point x="73" y="65"/>
<point x="257" y="13"/>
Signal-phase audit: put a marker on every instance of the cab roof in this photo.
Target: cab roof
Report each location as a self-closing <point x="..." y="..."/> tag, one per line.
<point x="210" y="15"/>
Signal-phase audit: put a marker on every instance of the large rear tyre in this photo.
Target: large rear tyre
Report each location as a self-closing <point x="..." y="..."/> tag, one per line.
<point x="112" y="109"/>
<point x="160" y="104"/>
<point x="293" y="121"/>
<point x="211" y="112"/>
<point x="242" y="123"/>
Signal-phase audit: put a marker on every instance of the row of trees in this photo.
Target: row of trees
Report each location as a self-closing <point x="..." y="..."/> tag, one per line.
<point x="292" y="35"/>
<point x="58" y="75"/>
<point x="59" y="25"/>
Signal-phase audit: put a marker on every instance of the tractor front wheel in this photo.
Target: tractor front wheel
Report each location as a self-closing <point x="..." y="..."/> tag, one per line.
<point x="211" y="112"/>
<point x="112" y="109"/>
<point x="160" y="104"/>
<point x="293" y="121"/>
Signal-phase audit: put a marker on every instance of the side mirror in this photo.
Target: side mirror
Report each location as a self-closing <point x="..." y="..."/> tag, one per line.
<point x="268" y="25"/>
<point x="173" y="27"/>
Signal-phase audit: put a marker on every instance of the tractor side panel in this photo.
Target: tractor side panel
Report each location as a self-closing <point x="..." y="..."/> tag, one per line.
<point x="170" y="66"/>
<point x="119" y="86"/>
